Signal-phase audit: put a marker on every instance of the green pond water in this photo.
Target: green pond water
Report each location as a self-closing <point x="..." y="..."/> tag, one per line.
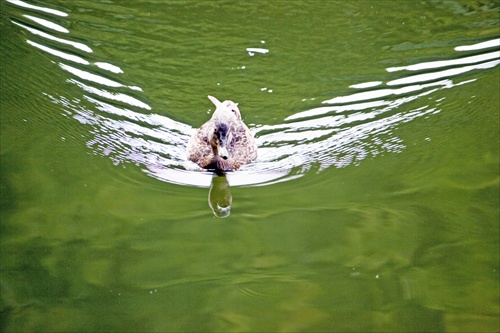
<point x="373" y="204"/>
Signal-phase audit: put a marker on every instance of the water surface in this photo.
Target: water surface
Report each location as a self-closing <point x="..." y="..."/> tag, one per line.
<point x="373" y="204"/>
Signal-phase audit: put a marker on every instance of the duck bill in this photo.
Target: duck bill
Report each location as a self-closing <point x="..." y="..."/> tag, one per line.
<point x="222" y="151"/>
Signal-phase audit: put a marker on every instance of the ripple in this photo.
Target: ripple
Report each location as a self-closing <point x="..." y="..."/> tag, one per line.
<point x="59" y="54"/>
<point x="479" y="46"/>
<point x="37" y="32"/>
<point x="38" y="8"/>
<point x="343" y="131"/>
<point x="47" y="24"/>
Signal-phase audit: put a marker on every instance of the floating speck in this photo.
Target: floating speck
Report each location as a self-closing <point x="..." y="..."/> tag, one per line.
<point x="252" y="50"/>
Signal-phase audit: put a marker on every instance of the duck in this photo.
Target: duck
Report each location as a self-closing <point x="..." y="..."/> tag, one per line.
<point x="223" y="143"/>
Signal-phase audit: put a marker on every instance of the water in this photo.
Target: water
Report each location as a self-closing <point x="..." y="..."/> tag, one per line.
<point x="373" y="204"/>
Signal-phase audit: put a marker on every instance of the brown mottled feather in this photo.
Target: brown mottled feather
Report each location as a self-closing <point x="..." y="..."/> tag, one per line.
<point x="242" y="147"/>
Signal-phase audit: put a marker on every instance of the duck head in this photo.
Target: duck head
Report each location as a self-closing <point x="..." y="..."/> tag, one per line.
<point x="227" y="110"/>
<point x="221" y="136"/>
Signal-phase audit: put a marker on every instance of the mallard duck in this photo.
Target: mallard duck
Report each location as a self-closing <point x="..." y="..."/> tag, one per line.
<point x="224" y="143"/>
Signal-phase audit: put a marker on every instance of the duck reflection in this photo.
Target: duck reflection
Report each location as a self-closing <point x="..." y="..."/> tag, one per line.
<point x="219" y="196"/>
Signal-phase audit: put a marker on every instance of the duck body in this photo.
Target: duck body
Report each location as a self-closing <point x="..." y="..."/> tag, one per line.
<point x="224" y="143"/>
